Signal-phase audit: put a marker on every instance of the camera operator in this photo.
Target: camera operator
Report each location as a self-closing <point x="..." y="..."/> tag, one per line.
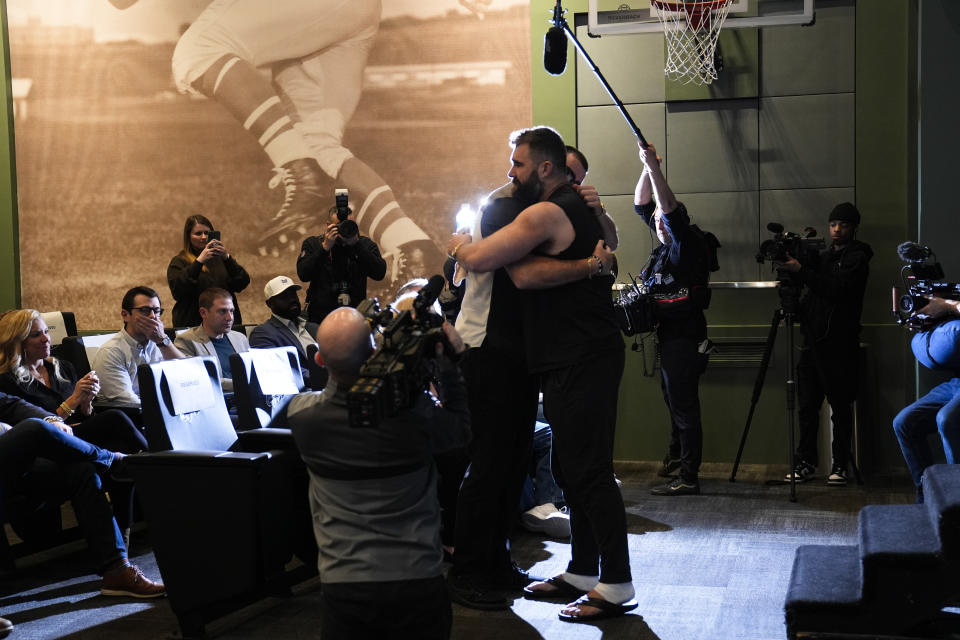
<point x="681" y="262"/>
<point x="337" y="265"/>
<point x="373" y="492"/>
<point x="829" y="313"/>
<point x="939" y="410"/>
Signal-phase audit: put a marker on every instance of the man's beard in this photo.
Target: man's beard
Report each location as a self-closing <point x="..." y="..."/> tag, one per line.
<point x="528" y="192"/>
<point x="291" y="313"/>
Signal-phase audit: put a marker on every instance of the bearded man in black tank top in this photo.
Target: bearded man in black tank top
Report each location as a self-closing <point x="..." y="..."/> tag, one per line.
<point x="574" y="343"/>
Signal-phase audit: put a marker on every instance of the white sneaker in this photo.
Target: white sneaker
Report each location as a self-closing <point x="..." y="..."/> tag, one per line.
<point x="546" y="518"/>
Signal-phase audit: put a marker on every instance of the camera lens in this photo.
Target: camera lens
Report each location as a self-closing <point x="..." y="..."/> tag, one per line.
<point x="908" y="303"/>
<point x="348" y="229"/>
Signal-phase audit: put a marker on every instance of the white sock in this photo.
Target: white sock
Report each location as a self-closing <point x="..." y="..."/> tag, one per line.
<point x="285" y="147"/>
<point x="584" y="583"/>
<point x="615" y="593"/>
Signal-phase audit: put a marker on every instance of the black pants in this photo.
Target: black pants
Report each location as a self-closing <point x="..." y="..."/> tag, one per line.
<point x="827" y="370"/>
<point x="415" y="609"/>
<point x="503" y="410"/>
<point x="580" y="403"/>
<point x="451" y="467"/>
<point x="681" y="366"/>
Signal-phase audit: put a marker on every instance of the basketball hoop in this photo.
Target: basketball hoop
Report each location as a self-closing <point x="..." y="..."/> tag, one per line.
<point x="691" y="30"/>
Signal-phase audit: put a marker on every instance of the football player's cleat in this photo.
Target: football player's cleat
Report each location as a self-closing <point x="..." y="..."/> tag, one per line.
<point x="303" y="203"/>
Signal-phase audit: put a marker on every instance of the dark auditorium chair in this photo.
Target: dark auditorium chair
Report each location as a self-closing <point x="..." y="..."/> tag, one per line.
<point x="318" y="372"/>
<point x="264" y="380"/>
<point x="36" y="519"/>
<point x="79" y="350"/>
<point x="61" y="324"/>
<point x="225" y="514"/>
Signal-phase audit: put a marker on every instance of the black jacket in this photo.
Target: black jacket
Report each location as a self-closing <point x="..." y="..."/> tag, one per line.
<point x="187" y="280"/>
<point x="14" y="410"/>
<point x="330" y="271"/>
<point x="682" y="269"/>
<point x="835" y="283"/>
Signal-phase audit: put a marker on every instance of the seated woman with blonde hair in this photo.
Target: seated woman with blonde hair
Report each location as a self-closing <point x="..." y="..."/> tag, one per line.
<point x="27" y="370"/>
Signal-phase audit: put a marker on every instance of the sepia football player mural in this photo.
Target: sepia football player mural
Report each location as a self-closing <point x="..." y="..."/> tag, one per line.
<point x="131" y="115"/>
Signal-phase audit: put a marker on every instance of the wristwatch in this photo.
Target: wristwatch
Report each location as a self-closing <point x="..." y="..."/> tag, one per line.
<point x="165" y="342"/>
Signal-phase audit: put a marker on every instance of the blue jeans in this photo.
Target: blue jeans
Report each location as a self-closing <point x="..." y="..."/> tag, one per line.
<point x="936" y="412"/>
<point x="540" y="486"/>
<point x="40" y="461"/>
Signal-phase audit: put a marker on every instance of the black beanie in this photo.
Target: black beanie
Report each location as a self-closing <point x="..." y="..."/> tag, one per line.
<point x="845" y="212"/>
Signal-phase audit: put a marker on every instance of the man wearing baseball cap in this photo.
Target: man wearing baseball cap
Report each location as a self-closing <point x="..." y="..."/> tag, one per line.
<point x="286" y="327"/>
<point x="830" y="323"/>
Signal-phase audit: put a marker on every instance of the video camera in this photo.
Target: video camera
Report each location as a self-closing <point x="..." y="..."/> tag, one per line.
<point x="347" y="228"/>
<point x="403" y="366"/>
<point x="921" y="283"/>
<point x="781" y="247"/>
<point x="634" y="309"/>
<point x="786" y="244"/>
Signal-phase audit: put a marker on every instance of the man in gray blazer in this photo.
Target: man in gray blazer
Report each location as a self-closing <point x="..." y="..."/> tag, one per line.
<point x="286" y="327"/>
<point x="214" y="336"/>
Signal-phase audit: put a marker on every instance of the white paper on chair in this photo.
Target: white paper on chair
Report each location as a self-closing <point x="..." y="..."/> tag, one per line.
<point x="189" y="384"/>
<point x="56" y="325"/>
<point x="273" y="372"/>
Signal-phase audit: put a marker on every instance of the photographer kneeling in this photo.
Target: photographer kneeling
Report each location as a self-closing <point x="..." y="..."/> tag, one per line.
<point x="373" y="491"/>
<point x="830" y="310"/>
<point x="338" y="263"/>
<point x="939" y="410"/>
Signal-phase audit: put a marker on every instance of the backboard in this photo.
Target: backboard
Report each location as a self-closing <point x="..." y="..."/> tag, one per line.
<point x="639" y="17"/>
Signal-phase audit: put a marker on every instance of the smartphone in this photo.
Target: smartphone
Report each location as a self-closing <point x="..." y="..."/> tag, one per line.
<point x="213" y="235"/>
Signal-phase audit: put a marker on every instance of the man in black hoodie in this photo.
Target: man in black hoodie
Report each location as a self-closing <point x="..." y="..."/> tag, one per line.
<point x="830" y="323"/>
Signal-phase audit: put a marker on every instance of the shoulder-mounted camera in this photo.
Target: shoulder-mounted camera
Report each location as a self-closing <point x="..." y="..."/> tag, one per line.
<point x="921" y="278"/>
<point x="402" y="368"/>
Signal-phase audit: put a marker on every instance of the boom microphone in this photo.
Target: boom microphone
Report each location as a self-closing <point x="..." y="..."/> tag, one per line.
<point x="913" y="252"/>
<point x="555" y="51"/>
<point x="775" y="227"/>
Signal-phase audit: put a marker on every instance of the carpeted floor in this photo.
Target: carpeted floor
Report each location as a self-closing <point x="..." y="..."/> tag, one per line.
<point x="708" y="566"/>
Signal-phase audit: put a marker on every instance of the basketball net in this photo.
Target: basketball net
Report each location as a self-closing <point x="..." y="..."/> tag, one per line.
<point x="691" y="30"/>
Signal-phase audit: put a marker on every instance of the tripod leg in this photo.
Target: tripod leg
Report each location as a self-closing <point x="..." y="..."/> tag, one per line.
<point x="757" y="388"/>
<point x="791" y="406"/>
<point x="856" y="469"/>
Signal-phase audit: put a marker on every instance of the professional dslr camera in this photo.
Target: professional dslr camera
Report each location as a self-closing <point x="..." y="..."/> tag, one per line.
<point x="921" y="283"/>
<point x="347" y="228"/>
<point x="785" y="244"/>
<point x="404" y="365"/>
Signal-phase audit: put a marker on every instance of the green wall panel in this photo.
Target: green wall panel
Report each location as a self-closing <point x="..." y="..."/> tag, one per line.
<point x="9" y="249"/>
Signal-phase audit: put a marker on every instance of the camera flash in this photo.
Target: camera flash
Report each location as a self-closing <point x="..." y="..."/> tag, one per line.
<point x="466" y="217"/>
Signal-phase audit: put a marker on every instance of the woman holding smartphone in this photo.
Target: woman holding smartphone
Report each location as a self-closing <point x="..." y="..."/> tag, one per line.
<point x="28" y="371"/>
<point x="204" y="262"/>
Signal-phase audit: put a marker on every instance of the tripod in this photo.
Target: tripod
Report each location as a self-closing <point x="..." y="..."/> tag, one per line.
<point x="788" y="288"/>
<point x="789" y="291"/>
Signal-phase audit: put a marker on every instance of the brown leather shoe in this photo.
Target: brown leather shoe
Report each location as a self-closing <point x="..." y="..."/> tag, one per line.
<point x="5" y="627"/>
<point x="130" y="581"/>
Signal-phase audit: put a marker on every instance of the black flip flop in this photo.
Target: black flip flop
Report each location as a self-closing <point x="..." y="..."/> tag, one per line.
<point x="606" y="609"/>
<point x="563" y="590"/>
